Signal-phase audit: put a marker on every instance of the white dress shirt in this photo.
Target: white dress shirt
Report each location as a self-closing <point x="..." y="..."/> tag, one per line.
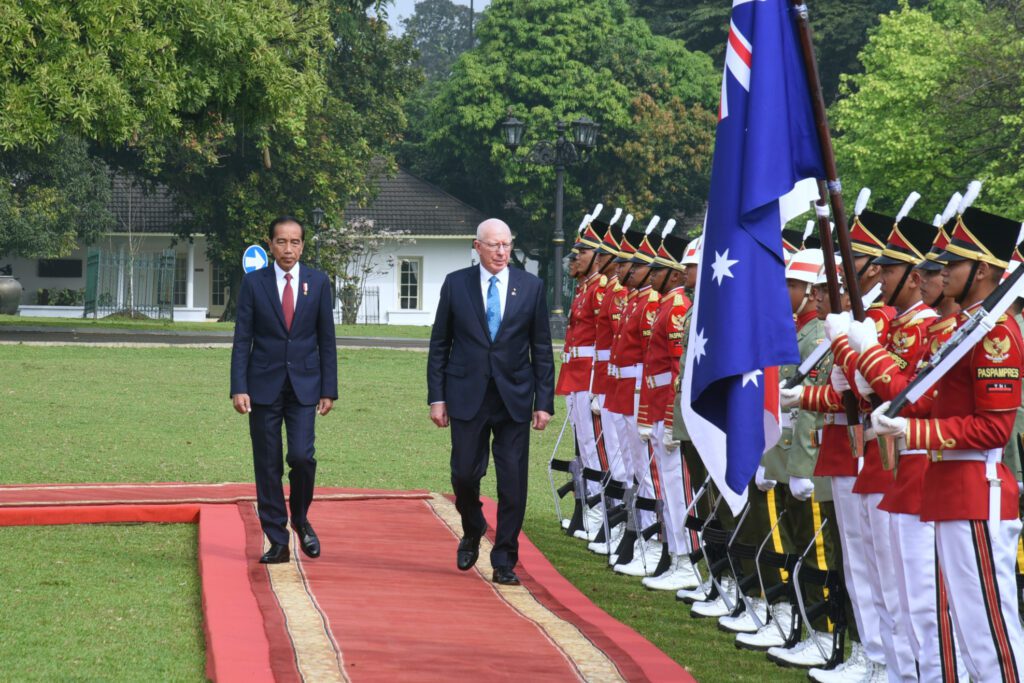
<point x="281" y="283"/>
<point x="502" y="285"/>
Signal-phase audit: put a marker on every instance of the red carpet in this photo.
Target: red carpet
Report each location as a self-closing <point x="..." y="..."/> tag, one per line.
<point x="384" y="602"/>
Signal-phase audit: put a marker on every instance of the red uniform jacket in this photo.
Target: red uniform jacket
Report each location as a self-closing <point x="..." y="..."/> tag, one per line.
<point x="581" y="333"/>
<point x="661" y="363"/>
<point x="629" y="347"/>
<point x="608" y="319"/>
<point x="976" y="406"/>
<point x="888" y="370"/>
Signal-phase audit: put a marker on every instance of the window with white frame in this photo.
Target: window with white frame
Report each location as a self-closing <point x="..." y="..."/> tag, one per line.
<point x="410" y="283"/>
<point x="180" y="279"/>
<point x="218" y="284"/>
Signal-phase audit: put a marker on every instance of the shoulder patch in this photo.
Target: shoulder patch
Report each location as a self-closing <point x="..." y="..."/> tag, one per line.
<point x="603" y="281"/>
<point x="678" y="300"/>
<point x="653" y="296"/>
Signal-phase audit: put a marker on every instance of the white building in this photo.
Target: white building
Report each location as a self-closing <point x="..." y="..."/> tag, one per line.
<point x="405" y="292"/>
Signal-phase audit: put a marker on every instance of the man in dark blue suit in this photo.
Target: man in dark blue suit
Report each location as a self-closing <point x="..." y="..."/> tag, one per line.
<point x="284" y="367"/>
<point x="490" y="374"/>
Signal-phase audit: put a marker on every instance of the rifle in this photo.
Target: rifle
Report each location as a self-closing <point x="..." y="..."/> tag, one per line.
<point x="963" y="340"/>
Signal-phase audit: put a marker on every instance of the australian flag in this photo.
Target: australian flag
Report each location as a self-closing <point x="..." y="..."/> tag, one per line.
<point x="742" y="325"/>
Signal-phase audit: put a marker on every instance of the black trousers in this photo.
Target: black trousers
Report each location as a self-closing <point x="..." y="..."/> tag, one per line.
<point x="265" y="431"/>
<point x="471" y="441"/>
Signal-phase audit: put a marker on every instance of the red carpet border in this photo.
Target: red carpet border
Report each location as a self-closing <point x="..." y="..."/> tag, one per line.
<point x="384" y="602"/>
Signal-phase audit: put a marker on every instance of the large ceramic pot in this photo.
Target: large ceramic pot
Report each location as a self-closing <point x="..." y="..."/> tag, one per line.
<point x="10" y="295"/>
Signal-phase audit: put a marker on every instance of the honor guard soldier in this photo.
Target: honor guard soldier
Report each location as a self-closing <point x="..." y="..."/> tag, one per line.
<point x="661" y="369"/>
<point x="626" y="365"/>
<point x="575" y="376"/>
<point x="964" y="423"/>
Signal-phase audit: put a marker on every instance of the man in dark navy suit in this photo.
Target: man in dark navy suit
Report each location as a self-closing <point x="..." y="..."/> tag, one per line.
<point x="284" y="367"/>
<point x="491" y="374"/>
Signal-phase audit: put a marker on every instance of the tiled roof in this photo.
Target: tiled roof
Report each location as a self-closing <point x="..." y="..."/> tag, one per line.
<point x="404" y="203"/>
<point x="142" y="209"/>
<point x="408" y="203"/>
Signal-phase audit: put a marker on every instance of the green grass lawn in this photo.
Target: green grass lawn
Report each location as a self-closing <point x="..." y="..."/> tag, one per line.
<point x="121" y="602"/>
<point x="401" y="331"/>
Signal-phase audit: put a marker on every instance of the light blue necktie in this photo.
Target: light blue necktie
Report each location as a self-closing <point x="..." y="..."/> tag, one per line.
<point x="493" y="308"/>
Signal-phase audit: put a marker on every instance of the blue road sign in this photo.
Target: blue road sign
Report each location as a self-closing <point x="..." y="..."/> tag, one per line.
<point x="254" y="258"/>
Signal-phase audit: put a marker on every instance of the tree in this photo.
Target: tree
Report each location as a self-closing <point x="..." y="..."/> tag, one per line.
<point x="440" y="32"/>
<point x="840" y="29"/>
<point x="350" y="253"/>
<point x="654" y="99"/>
<point x="52" y="198"/>
<point x="342" y="151"/>
<point x="940" y="102"/>
<point x="141" y="82"/>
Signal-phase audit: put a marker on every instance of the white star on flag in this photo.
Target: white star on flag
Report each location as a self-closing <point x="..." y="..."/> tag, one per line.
<point x="722" y="266"/>
<point x="751" y="377"/>
<point x="699" y="343"/>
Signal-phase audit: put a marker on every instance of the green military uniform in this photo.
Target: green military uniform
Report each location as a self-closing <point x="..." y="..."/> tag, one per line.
<point x="1014" y="449"/>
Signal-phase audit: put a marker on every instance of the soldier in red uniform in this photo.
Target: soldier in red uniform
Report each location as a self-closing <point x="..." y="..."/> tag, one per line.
<point x="661" y="368"/>
<point x="575" y="376"/>
<point x="609" y="314"/>
<point x="626" y="366"/>
<point x="969" y="494"/>
<point x="885" y="371"/>
<point x="858" y="480"/>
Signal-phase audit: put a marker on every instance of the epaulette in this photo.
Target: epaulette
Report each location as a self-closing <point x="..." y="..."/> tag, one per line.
<point x="943" y="325"/>
<point x="618" y="287"/>
<point x="603" y="282"/>
<point x="653" y="296"/>
<point x="678" y="300"/>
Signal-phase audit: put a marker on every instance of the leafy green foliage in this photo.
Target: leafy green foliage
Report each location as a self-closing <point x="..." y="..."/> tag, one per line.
<point x="654" y="100"/>
<point x="52" y="198"/>
<point x="440" y="32"/>
<point x="940" y="102"/>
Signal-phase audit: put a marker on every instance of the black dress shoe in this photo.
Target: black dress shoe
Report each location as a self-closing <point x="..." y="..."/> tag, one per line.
<point x="276" y="555"/>
<point x="308" y="540"/>
<point x="469" y="550"/>
<point x="505" y="576"/>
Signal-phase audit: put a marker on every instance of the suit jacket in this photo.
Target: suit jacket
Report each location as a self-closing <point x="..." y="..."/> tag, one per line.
<point x="264" y="352"/>
<point x="462" y="357"/>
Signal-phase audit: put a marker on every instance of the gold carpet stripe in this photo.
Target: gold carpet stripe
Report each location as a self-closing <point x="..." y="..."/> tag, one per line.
<point x="591" y="663"/>
<point x="317" y="656"/>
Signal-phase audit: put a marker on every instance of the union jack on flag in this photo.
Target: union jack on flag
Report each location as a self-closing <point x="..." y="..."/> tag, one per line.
<point x="766" y="160"/>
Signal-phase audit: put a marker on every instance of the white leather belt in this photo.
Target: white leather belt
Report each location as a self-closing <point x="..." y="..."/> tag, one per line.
<point x="626" y="372"/>
<point x="914" y="452"/>
<point x="581" y="351"/>
<point x="991" y="458"/>
<point x="604" y="354"/>
<point x="659" y="380"/>
<point x="836" y="419"/>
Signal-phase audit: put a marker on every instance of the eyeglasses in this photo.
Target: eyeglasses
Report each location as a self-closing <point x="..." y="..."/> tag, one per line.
<point x="496" y="246"/>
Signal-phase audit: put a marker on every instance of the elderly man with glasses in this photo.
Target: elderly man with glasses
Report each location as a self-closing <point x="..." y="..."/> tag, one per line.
<point x="490" y="376"/>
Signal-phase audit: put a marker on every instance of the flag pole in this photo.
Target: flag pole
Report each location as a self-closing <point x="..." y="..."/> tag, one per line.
<point x="833" y="185"/>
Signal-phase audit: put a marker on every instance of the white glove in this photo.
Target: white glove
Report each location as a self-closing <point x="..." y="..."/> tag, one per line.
<point x="863" y="386"/>
<point x="645" y="432"/>
<point x="790" y="398"/>
<point x="887" y="426"/>
<point x="595" y="406"/>
<point x="671" y="443"/>
<point x="863" y="335"/>
<point x="763" y="483"/>
<point x="838" y="380"/>
<point x="801" y="488"/>
<point x="836" y="324"/>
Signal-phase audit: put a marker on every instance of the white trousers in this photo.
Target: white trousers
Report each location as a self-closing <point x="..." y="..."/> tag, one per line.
<point x="578" y="407"/>
<point x="978" y="560"/>
<point x="637" y="461"/>
<point x="612" y="446"/>
<point x="881" y="563"/>
<point x="671" y="481"/>
<point x="924" y="611"/>
<point x="852" y="530"/>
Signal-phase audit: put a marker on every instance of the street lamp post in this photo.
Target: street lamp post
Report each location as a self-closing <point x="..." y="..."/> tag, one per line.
<point x="558" y="153"/>
<point x="318" y="218"/>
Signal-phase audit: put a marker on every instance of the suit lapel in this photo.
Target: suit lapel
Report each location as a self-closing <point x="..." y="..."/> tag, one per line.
<point x="512" y="297"/>
<point x="270" y="287"/>
<point x="476" y="299"/>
